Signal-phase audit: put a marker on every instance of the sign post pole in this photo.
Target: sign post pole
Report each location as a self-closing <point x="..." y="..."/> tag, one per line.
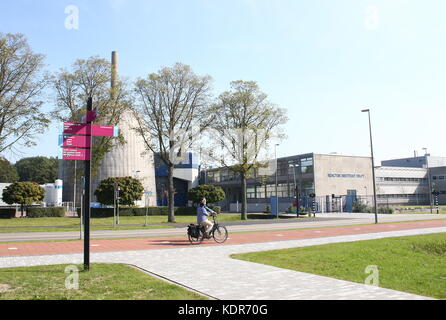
<point x="87" y="176"/>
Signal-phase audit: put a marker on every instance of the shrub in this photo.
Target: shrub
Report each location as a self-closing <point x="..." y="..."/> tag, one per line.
<point x="137" y="211"/>
<point x="23" y="193"/>
<point x="361" y="207"/>
<point x="130" y="191"/>
<point x="7" y="213"/>
<point x="37" y="212"/>
<point x="385" y="210"/>
<point x="186" y="211"/>
<point x="215" y="208"/>
<point x="211" y="193"/>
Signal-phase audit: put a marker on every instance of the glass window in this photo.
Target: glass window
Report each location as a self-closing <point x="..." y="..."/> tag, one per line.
<point x="306" y="165"/>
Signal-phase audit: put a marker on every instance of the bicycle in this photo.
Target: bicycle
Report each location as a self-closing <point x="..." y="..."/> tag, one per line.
<point x="195" y="232"/>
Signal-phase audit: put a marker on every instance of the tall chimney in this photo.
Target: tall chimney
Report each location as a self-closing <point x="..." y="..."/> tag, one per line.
<point x="114" y="65"/>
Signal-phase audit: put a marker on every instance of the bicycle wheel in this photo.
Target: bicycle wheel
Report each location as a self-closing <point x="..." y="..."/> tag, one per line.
<point x="197" y="240"/>
<point x="220" y="234"/>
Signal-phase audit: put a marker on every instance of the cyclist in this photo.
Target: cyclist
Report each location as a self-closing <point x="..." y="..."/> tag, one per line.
<point x="203" y="212"/>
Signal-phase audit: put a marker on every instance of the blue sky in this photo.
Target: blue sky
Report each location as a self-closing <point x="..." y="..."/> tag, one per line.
<point x="323" y="60"/>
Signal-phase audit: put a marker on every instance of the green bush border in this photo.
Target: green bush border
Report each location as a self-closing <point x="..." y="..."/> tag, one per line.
<point x="7" y="213"/>
<point x="151" y="211"/>
<point x="37" y="212"/>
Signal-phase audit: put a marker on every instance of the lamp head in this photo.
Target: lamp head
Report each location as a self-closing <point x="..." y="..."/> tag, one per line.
<point x="365" y="110"/>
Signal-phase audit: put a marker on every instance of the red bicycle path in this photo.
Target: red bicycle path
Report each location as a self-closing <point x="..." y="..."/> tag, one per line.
<point x="66" y="247"/>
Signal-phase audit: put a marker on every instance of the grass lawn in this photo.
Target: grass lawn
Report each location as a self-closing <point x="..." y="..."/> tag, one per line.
<point x="72" y="224"/>
<point x="414" y="264"/>
<point x="103" y="281"/>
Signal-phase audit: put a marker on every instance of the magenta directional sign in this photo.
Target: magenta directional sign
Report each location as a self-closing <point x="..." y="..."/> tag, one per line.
<point x="75" y="128"/>
<point x="90" y="116"/>
<point x="76" y="141"/>
<point x="97" y="129"/>
<point x="76" y="154"/>
<point x="103" y="131"/>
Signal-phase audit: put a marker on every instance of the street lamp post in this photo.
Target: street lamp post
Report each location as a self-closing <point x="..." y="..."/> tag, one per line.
<point x="373" y="166"/>
<point x="428" y="179"/>
<point x="294" y="165"/>
<point x="366" y="196"/>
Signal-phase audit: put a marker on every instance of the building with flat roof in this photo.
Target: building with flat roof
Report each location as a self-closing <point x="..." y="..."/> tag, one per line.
<point x="336" y="182"/>
<point x="327" y="176"/>
<point x="426" y="161"/>
<point x="402" y="186"/>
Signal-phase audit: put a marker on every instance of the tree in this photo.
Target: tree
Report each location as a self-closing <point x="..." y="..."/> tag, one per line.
<point x="91" y="78"/>
<point x="245" y="124"/>
<point x="8" y="172"/>
<point x="23" y="193"/>
<point x="212" y="193"/>
<point x="37" y="169"/>
<point x="130" y="191"/>
<point x="172" y="107"/>
<point x="21" y="85"/>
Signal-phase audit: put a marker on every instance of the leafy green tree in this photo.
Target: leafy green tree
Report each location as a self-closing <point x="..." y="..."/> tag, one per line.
<point x="169" y="106"/>
<point x="37" y="169"/>
<point x="243" y="131"/>
<point x="211" y="193"/>
<point x="23" y="193"/>
<point x="21" y="88"/>
<point x="131" y="190"/>
<point x="8" y="173"/>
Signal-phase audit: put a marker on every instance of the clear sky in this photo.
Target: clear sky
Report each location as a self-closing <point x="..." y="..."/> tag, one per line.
<point x="323" y="60"/>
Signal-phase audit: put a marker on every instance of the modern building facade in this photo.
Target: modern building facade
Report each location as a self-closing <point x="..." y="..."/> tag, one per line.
<point x="185" y="177"/>
<point x="336" y="181"/>
<point x="326" y="176"/>
<point x="413" y="180"/>
<point x="402" y="186"/>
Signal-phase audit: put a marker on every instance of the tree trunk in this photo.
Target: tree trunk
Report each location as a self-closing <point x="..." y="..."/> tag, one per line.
<point x="244" y="215"/>
<point x="170" y="195"/>
<point x="21" y="211"/>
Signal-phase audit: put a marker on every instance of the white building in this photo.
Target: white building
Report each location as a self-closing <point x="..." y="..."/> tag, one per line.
<point x="402" y="185"/>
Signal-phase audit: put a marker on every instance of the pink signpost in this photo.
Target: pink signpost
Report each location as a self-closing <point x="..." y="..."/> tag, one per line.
<point x="103" y="131"/>
<point x="75" y="137"/>
<point x="76" y="154"/>
<point x="96" y="129"/>
<point x="76" y="141"/>
<point x="89" y="116"/>
<point x="75" y="128"/>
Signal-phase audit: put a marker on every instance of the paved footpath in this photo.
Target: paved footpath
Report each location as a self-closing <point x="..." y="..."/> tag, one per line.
<point x="321" y="220"/>
<point x="223" y="277"/>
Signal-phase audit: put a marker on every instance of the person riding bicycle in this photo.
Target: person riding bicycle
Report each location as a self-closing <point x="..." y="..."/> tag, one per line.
<point x="203" y="212"/>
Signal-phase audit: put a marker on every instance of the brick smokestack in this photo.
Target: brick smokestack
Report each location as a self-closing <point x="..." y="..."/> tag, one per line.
<point x="114" y="71"/>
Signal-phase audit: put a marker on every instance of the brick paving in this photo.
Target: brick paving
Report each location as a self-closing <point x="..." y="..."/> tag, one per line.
<point x="61" y="247"/>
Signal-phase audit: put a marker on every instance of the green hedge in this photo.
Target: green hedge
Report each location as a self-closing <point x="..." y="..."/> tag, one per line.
<point x="45" y="212"/>
<point x="152" y="211"/>
<point x="7" y="213"/>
